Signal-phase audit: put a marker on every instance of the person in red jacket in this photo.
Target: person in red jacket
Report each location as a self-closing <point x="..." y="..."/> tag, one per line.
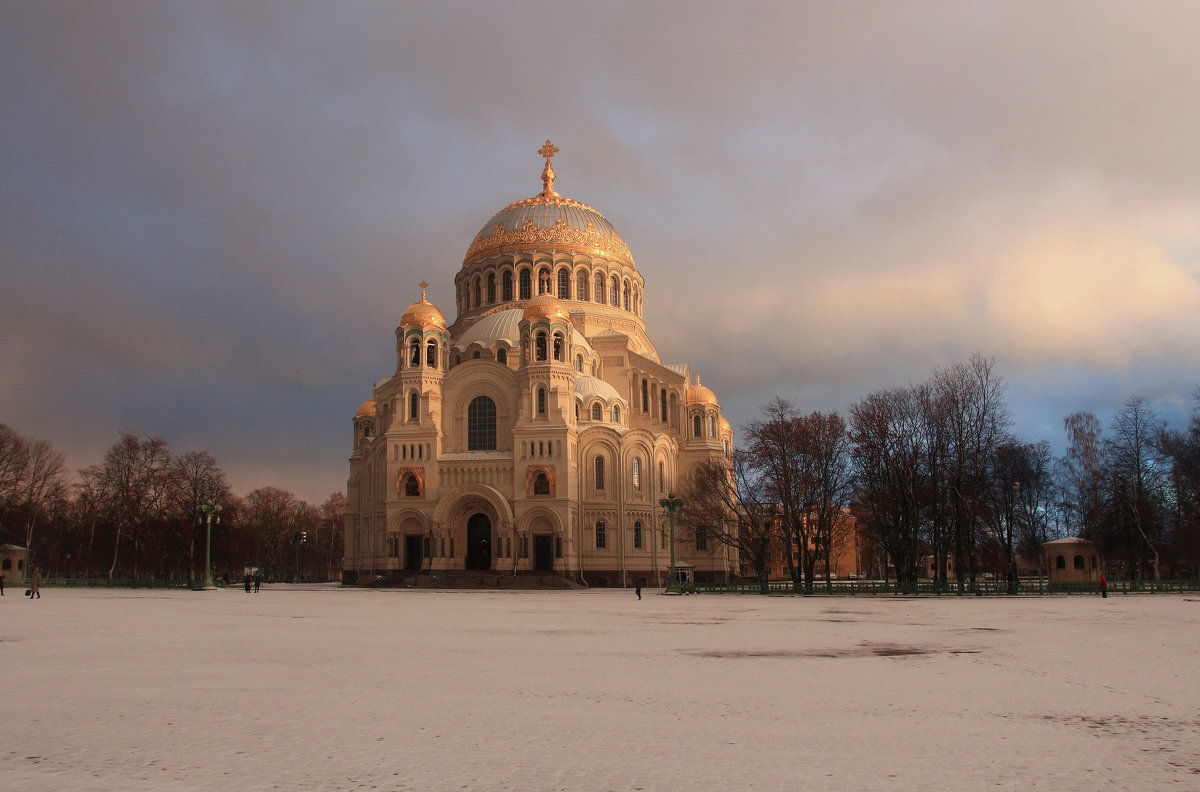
<point x="1103" y="587"/>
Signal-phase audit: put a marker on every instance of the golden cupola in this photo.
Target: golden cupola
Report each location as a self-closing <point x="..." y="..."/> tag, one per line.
<point x="423" y="313"/>
<point x="548" y="221"/>
<point x="545" y="306"/>
<point x="698" y="394"/>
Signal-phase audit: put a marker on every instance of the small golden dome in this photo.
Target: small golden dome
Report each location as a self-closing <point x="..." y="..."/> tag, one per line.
<point x="698" y="394"/>
<point x="545" y="306"/>
<point x="724" y="424"/>
<point x="423" y="312"/>
<point x="366" y="409"/>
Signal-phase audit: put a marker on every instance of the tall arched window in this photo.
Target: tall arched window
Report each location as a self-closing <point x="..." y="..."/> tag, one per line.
<point x="543" y="281"/>
<point x="481" y="424"/>
<point x="506" y="285"/>
<point x="712" y="426"/>
<point x="413" y="405"/>
<point x="491" y="288"/>
<point x="579" y="363"/>
<point x="541" y="401"/>
<point x="696" y="428"/>
<point x="558" y="347"/>
<point x="581" y="286"/>
<point x="478" y="294"/>
<point x="645" y="395"/>
<point x="637" y="473"/>
<point x="599" y="472"/>
<point x="599" y="290"/>
<point x="625" y="297"/>
<point x="613" y="292"/>
<point x="662" y="404"/>
<point x="431" y="354"/>
<point x="540" y="346"/>
<point x="637" y="535"/>
<point x="595" y="412"/>
<point x="601" y="538"/>
<point x="660" y="476"/>
<point x="564" y="284"/>
<point x="523" y="280"/>
<point x="616" y="414"/>
<point x="414" y="359"/>
<point x="502" y="356"/>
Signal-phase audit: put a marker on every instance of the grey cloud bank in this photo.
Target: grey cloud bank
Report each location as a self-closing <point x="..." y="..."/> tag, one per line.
<point x="214" y="214"/>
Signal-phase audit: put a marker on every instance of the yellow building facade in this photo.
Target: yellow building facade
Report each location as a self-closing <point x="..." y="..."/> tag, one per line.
<point x="537" y="432"/>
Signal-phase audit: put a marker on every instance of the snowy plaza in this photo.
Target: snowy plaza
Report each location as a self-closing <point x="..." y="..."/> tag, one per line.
<point x="324" y="688"/>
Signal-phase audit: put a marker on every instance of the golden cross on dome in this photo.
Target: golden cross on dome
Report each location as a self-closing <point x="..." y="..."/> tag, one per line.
<point x="424" y="285"/>
<point x="548" y="150"/>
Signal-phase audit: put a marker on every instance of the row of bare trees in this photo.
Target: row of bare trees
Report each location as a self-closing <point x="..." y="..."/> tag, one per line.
<point x="938" y="486"/>
<point x="136" y="514"/>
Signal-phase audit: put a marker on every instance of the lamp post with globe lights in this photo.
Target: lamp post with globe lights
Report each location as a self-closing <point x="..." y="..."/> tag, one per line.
<point x="670" y="504"/>
<point x="209" y="510"/>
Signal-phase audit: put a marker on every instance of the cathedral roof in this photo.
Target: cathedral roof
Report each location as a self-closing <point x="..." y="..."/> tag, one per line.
<point x="500" y="326"/>
<point x="545" y="306"/>
<point x="588" y="387"/>
<point x="549" y="221"/>
<point x="698" y="394"/>
<point x="366" y="409"/>
<point x="423" y="312"/>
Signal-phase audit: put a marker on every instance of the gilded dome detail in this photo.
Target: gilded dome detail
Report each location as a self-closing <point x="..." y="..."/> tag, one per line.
<point x="423" y="312"/>
<point x="366" y="409"/>
<point x="545" y="306"/>
<point x="698" y="394"/>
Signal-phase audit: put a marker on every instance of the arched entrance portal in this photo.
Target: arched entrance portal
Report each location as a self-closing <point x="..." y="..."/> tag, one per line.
<point x="479" y="542"/>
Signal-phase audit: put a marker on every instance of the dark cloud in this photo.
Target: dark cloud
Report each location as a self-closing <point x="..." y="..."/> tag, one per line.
<point x="213" y="214"/>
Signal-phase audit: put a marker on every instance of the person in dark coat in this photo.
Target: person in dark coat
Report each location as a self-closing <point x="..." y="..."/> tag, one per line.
<point x="637" y="589"/>
<point x="35" y="584"/>
<point x="257" y="581"/>
<point x="247" y="582"/>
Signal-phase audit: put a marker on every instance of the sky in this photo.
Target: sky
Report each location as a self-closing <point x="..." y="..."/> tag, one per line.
<point x="212" y="215"/>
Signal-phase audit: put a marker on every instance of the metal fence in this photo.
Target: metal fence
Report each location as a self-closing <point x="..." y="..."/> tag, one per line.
<point x="1025" y="586"/>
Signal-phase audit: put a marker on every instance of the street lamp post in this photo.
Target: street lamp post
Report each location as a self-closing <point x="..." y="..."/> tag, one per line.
<point x="209" y="510"/>
<point x="670" y="504"/>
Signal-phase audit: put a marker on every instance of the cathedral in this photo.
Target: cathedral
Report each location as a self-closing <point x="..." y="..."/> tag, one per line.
<point x="537" y="433"/>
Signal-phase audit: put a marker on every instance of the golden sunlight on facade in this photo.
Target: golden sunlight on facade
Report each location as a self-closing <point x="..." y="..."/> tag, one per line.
<point x="536" y="433"/>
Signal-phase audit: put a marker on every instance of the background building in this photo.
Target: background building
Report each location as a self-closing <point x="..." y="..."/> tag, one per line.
<point x="538" y="431"/>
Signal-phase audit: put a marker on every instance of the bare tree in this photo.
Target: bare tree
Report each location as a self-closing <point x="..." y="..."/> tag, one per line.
<point x="728" y="499"/>
<point x="825" y="449"/>
<point x="1138" y="473"/>
<point x="134" y="471"/>
<point x="333" y="520"/>
<point x="1084" y="474"/>
<point x="195" y="479"/>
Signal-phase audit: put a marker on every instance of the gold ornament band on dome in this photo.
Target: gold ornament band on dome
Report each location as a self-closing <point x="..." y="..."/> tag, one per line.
<point x="560" y="235"/>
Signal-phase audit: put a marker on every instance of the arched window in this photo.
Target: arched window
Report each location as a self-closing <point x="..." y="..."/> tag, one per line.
<point x="541" y="484"/>
<point x="413" y="402"/>
<point x="599" y="472"/>
<point x="481" y="424"/>
<point x="1060" y="563"/>
<point x="412" y="487"/>
<point x="645" y="395"/>
<point x="662" y="404"/>
<point x="506" y="285"/>
<point x="414" y="358"/>
<point x="637" y="535"/>
<point x="564" y="284"/>
<point x="540" y="346"/>
<point x="600" y="534"/>
<point x="613" y="292"/>
<point x="478" y="294"/>
<point x="696" y="430"/>
<point x="558" y="347"/>
<point x="543" y="284"/>
<point x="491" y="288"/>
<point x="599" y="290"/>
<point x="502" y="356"/>
<point x="579" y="363"/>
<point x="637" y="473"/>
<point x="595" y="412"/>
<point x="541" y="401"/>
<point x="616" y="414"/>
<point x="712" y="426"/>
<point x="660" y="476"/>
<point x="625" y="296"/>
<point x="431" y="354"/>
<point x="476" y="355"/>
<point x="581" y="286"/>
<point x="1079" y="562"/>
<point x="523" y="279"/>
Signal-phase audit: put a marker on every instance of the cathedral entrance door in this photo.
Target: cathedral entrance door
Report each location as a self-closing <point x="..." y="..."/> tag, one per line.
<point x="412" y="552"/>
<point x="543" y="558"/>
<point x="479" y="542"/>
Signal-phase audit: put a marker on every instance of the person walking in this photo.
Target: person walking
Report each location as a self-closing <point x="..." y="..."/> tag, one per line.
<point x="1103" y="587"/>
<point x="35" y="584"/>
<point x="247" y="582"/>
<point x="1" y="585"/>
<point x="637" y="589"/>
<point x="257" y="581"/>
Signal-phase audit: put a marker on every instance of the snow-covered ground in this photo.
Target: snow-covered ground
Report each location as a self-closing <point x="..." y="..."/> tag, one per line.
<point x="327" y="688"/>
